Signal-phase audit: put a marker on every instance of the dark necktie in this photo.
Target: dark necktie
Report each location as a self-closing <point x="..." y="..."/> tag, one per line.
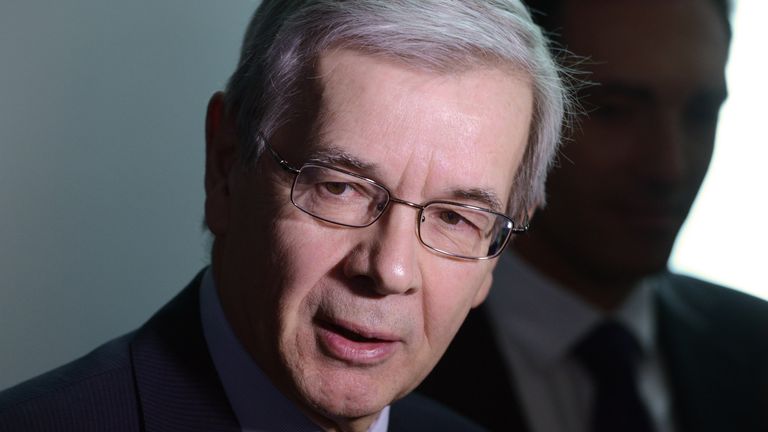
<point x="609" y="354"/>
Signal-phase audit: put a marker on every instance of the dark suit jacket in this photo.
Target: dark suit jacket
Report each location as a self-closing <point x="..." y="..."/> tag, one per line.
<point x="160" y="378"/>
<point x="714" y="341"/>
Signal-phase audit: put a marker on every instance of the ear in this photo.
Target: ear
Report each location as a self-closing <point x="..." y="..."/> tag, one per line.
<point x="529" y="214"/>
<point x="220" y="156"/>
<point x="485" y="288"/>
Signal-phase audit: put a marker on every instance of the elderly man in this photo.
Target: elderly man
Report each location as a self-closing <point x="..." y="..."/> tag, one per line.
<point x="585" y="328"/>
<point x="366" y="164"/>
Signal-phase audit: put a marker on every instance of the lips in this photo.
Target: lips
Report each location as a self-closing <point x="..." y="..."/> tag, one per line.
<point x="354" y="344"/>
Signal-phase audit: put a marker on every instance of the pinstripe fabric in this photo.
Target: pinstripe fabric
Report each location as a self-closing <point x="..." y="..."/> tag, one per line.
<point x="95" y="393"/>
<point x="160" y="378"/>
<point x="176" y="380"/>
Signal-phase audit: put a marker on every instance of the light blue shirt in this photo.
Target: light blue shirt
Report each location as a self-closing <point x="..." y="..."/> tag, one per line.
<point x="258" y="405"/>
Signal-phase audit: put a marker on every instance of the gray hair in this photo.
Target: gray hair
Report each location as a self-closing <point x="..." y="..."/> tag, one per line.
<point x="285" y="37"/>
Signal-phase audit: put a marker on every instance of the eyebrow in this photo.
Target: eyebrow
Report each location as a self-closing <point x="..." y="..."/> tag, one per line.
<point x="487" y="197"/>
<point x="335" y="156"/>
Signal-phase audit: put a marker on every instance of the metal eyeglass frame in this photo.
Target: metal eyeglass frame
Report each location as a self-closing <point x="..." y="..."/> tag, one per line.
<point x="285" y="165"/>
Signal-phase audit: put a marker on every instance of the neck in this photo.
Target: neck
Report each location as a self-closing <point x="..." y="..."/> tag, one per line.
<point x="605" y="292"/>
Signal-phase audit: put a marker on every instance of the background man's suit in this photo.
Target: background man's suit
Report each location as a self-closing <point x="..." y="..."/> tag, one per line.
<point x="714" y="341"/>
<point x="159" y="378"/>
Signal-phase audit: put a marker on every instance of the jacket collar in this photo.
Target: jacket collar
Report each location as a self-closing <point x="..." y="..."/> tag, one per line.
<point x="178" y="388"/>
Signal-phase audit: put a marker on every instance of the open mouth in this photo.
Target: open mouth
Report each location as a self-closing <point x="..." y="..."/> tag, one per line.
<point x="353" y="345"/>
<point x="350" y="334"/>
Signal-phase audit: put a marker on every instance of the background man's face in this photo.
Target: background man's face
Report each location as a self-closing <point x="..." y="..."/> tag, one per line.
<point x="347" y="320"/>
<point x="627" y="180"/>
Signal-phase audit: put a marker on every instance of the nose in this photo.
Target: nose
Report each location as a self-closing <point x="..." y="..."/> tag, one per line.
<point x="385" y="260"/>
<point x="666" y="164"/>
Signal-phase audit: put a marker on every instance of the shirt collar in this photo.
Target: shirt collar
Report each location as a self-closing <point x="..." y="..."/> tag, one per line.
<point x="257" y="404"/>
<point x="638" y="314"/>
<point x="544" y="320"/>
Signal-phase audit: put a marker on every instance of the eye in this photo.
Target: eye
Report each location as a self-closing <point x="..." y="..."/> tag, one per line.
<point x="451" y="217"/>
<point x="460" y="219"/>
<point x="336" y="188"/>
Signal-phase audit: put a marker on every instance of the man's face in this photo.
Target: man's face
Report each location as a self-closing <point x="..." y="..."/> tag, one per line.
<point x="629" y="175"/>
<point x="347" y="320"/>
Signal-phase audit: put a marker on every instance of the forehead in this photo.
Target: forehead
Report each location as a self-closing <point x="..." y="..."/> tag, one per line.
<point x="465" y="128"/>
<point x="676" y="42"/>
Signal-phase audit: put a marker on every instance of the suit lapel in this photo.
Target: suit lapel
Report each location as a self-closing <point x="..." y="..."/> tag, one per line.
<point x="707" y="379"/>
<point x="177" y="383"/>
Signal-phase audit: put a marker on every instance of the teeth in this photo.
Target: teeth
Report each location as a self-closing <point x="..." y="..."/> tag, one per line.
<point x="353" y="336"/>
<point x="349" y="334"/>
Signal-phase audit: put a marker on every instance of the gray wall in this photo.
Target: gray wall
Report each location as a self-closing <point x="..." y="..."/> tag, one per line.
<point x="102" y="105"/>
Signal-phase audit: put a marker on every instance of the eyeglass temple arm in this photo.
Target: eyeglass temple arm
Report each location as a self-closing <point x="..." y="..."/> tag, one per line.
<point x="523" y="228"/>
<point x="283" y="163"/>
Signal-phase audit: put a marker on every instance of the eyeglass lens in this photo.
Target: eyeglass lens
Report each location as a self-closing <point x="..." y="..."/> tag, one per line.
<point x="342" y="198"/>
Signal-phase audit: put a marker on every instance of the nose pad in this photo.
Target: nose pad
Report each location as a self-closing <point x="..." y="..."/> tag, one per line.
<point x="385" y="261"/>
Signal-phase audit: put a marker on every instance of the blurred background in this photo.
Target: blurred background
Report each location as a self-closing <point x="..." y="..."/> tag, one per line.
<point x="101" y="166"/>
<point x="725" y="238"/>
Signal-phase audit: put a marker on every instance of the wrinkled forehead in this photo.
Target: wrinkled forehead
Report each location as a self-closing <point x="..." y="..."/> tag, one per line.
<point x="332" y="69"/>
<point x="472" y="123"/>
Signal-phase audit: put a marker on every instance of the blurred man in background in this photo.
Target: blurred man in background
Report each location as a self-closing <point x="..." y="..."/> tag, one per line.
<point x="585" y="329"/>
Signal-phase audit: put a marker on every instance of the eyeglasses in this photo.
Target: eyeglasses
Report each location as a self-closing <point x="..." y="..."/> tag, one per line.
<point x="344" y="198"/>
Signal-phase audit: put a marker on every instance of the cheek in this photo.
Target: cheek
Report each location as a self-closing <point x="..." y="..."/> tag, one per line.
<point x="305" y="253"/>
<point x="308" y="245"/>
<point x="301" y="260"/>
<point x="698" y="155"/>
<point x="449" y="296"/>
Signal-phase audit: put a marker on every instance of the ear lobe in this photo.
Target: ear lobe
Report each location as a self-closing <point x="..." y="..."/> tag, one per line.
<point x="220" y="157"/>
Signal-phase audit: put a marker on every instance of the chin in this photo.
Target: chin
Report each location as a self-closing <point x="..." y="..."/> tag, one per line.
<point x="651" y="260"/>
<point x="346" y="397"/>
<point x="644" y="269"/>
<point x="348" y="408"/>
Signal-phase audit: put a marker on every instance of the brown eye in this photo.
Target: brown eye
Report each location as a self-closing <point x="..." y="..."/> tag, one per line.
<point x="336" y="188"/>
<point x="451" y="218"/>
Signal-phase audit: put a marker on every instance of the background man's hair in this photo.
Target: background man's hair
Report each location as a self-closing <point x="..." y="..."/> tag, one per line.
<point x="548" y="14"/>
<point x="285" y="38"/>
